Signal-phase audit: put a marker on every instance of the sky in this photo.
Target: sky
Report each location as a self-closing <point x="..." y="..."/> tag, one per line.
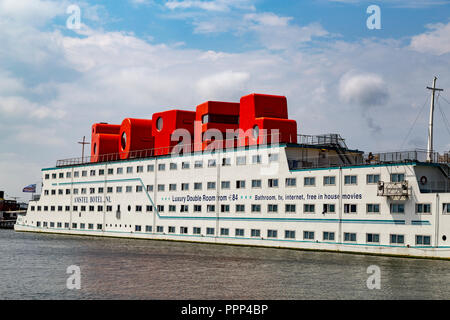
<point x="65" y="65"/>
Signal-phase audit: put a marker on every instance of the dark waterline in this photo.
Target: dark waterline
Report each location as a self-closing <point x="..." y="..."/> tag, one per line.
<point x="33" y="266"/>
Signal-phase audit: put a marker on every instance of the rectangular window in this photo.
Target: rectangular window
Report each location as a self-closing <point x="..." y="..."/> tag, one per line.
<point x="197" y="208"/>
<point x="372" y="178"/>
<point x="291" y="182"/>
<point x="290" y="208"/>
<point x="92" y="173"/>
<point x="310" y="181"/>
<point x="255" y="233"/>
<point x="76" y="174"/>
<point x="309" y="208"/>
<point x="185" y="186"/>
<point x="397" y="177"/>
<point x="423" y="240"/>
<point x="308" y="235"/>
<point x="272" y="183"/>
<point x="328" y="236"/>
<point x="256" y="159"/>
<point x="211" y="208"/>
<point x="350" y="237"/>
<point x="224" y="232"/>
<point x="129" y="169"/>
<point x="210" y="231"/>
<point x="211" y="163"/>
<point x="183" y="230"/>
<point x="171" y="229"/>
<point x="256" y="208"/>
<point x="397" y="208"/>
<point x="149" y="187"/>
<point x="272" y="208"/>
<point x="119" y="189"/>
<point x="226" y="162"/>
<point x="273" y="157"/>
<point x="161" y="167"/>
<point x="185" y="165"/>
<point x="350" y="208"/>
<point x="128" y="189"/>
<point x="224" y="208"/>
<point x="148" y="228"/>
<point x="160" y="229"/>
<point x="160" y="208"/>
<point x="196" y="230"/>
<point x="373" y="208"/>
<point x="198" y="164"/>
<point x="272" y="233"/>
<point x="173" y="166"/>
<point x="140" y="169"/>
<point x="240" y="208"/>
<point x="350" y="180"/>
<point x="149" y="208"/>
<point x="211" y="185"/>
<point x="197" y="186"/>
<point x="184" y="208"/>
<point x="101" y="172"/>
<point x="397" y="239"/>
<point x="99" y="226"/>
<point x="240" y="161"/>
<point x="109" y="189"/>
<point x="423" y="208"/>
<point x="83" y="173"/>
<point x="150" y="167"/>
<point x="119" y="170"/>
<point x="239" y="232"/>
<point x="329" y="208"/>
<point x="256" y="183"/>
<point x="372" y="238"/>
<point x="240" y="184"/>
<point x="225" y="185"/>
<point x="172" y="187"/>
<point x="160" y="187"/>
<point x="289" y="234"/>
<point x="138" y="208"/>
<point x="110" y="171"/>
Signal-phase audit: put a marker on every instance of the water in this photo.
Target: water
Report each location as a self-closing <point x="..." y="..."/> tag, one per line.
<point x="33" y="266"/>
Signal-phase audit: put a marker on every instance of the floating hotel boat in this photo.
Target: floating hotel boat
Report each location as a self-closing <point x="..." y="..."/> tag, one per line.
<point x="173" y="177"/>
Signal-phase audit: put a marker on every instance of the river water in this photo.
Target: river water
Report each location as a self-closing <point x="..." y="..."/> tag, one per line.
<point x="34" y="266"/>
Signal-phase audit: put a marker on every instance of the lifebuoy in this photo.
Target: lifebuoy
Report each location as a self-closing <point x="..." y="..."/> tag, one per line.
<point x="423" y="180"/>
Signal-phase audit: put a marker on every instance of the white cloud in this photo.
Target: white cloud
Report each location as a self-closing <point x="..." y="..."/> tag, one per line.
<point x="224" y="85"/>
<point x="435" y="41"/>
<point x="365" y="90"/>
<point x="213" y="5"/>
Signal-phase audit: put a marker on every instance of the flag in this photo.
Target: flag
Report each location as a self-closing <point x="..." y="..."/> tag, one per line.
<point x="30" y="188"/>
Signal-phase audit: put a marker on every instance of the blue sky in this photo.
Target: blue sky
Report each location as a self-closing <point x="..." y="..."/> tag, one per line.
<point x="132" y="58"/>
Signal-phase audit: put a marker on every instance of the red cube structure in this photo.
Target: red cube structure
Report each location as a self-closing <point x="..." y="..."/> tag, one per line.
<point x="215" y="117"/>
<point x="135" y="138"/>
<point x="164" y="126"/>
<point x="104" y="127"/>
<point x="104" y="147"/>
<point x="260" y="116"/>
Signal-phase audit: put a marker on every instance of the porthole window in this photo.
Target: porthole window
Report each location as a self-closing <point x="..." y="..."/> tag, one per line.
<point x="159" y="123"/>
<point x="123" y="140"/>
<point x="129" y="208"/>
<point x="444" y="237"/>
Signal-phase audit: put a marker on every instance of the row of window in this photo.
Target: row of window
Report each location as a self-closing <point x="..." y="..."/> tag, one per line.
<point x="239" y="184"/>
<point x="211" y="163"/>
<point x="421" y="208"/>
<point x="371" y="238"/>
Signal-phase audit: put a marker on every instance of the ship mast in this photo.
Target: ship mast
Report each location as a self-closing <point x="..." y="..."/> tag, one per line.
<point x="430" y="125"/>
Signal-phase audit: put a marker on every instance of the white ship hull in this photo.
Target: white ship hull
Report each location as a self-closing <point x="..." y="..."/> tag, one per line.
<point x="333" y="208"/>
